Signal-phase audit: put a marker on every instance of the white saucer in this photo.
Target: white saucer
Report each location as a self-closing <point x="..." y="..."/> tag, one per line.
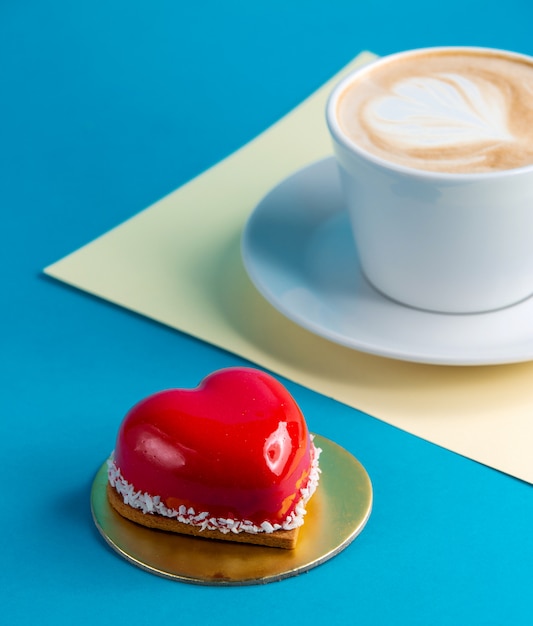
<point x="298" y="251"/>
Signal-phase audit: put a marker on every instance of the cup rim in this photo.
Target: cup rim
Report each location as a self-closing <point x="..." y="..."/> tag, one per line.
<point x="339" y="136"/>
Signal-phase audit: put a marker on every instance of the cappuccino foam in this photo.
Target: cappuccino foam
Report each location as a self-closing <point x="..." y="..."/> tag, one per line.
<point x="459" y="111"/>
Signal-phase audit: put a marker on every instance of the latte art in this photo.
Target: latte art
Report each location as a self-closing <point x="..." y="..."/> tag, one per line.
<point x="450" y="112"/>
<point x="441" y="111"/>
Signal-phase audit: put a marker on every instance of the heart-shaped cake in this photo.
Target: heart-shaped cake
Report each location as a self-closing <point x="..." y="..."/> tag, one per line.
<point x="231" y="459"/>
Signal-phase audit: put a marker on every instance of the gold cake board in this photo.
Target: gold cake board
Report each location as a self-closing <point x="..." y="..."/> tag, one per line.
<point x="336" y="514"/>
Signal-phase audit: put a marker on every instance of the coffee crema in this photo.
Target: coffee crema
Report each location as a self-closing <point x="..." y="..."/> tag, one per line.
<point x="456" y="111"/>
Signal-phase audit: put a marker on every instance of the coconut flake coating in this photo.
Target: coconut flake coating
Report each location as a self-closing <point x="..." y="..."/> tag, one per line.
<point x="150" y="505"/>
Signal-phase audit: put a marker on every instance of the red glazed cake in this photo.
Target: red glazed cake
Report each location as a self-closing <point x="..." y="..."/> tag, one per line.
<point x="231" y="459"/>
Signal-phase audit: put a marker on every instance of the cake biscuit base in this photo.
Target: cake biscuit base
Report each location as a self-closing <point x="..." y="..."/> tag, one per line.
<point x="285" y="539"/>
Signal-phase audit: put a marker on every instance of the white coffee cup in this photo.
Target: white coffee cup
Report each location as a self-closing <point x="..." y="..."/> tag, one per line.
<point x="446" y="241"/>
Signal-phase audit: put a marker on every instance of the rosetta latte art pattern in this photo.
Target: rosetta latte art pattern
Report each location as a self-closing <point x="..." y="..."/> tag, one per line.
<point x="441" y="111"/>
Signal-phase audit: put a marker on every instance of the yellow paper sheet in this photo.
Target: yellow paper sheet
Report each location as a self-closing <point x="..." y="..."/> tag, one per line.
<point x="179" y="262"/>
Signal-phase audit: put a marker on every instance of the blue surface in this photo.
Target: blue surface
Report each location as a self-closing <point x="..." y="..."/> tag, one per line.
<point x="106" y="107"/>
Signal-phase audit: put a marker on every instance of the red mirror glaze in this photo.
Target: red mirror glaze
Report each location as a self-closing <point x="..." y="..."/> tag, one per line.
<point x="237" y="446"/>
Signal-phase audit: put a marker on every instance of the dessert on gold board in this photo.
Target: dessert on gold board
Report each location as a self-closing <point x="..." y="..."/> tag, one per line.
<point x="231" y="460"/>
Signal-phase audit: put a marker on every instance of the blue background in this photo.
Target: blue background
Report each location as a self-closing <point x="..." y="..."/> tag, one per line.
<point x="106" y="106"/>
